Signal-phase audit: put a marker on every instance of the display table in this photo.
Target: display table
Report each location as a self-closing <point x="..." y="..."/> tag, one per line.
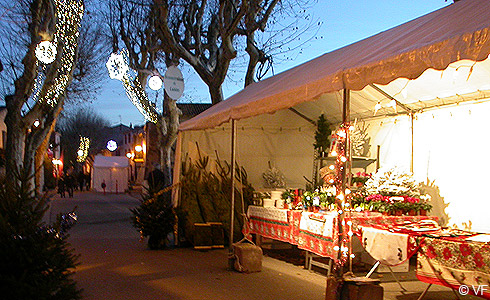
<point x="454" y="262"/>
<point x="313" y="232"/>
<point x="451" y="258"/>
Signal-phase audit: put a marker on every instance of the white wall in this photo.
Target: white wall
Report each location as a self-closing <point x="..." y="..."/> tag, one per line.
<point x="285" y="140"/>
<point x="450" y="151"/>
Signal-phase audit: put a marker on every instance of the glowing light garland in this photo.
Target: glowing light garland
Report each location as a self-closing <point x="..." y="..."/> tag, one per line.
<point x="69" y="14"/>
<point x="83" y="149"/>
<point x="343" y="193"/>
<point x="118" y="68"/>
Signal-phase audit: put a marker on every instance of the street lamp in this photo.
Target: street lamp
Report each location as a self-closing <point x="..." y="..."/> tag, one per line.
<point x="138" y="148"/>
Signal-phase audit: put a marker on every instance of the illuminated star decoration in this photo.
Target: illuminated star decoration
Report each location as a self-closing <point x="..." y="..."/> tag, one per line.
<point x="69" y="14"/>
<point x="118" y="68"/>
<point x="82" y="152"/>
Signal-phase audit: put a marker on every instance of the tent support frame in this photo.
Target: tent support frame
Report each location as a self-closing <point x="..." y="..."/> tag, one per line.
<point x="232" y="175"/>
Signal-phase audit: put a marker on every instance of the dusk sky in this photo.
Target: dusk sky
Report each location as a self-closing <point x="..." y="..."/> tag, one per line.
<point x="343" y="23"/>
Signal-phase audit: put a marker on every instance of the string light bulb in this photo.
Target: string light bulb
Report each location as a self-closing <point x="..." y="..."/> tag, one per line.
<point x="377" y="107"/>
<point x="393" y="104"/>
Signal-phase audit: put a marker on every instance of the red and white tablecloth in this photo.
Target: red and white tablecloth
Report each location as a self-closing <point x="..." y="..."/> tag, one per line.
<point x="314" y="232"/>
<point x="389" y="248"/>
<point x="454" y="262"/>
<point x="318" y="233"/>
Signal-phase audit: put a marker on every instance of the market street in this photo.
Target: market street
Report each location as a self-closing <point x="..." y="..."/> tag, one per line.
<point x="115" y="265"/>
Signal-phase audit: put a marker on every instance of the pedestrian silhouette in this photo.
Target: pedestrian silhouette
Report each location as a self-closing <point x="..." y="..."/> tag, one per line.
<point x="61" y="186"/>
<point x="156" y="179"/>
<point x="70" y="184"/>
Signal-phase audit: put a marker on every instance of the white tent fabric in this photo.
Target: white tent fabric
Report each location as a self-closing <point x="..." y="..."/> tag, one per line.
<point x="436" y="67"/>
<point x="113" y="171"/>
<point x="456" y="32"/>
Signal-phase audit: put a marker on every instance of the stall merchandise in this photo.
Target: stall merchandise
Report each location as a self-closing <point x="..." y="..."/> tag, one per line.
<point x="448" y="257"/>
<point x="314" y="232"/>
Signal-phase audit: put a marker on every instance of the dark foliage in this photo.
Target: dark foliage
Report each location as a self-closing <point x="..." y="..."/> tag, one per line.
<point x="206" y="196"/>
<point x="322" y="134"/>
<point x="155" y="218"/>
<point x="36" y="260"/>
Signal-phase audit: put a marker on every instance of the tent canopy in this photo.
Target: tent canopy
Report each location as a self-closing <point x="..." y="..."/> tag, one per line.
<point x="379" y="66"/>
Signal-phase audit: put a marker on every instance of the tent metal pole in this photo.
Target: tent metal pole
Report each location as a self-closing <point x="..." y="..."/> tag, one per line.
<point x="232" y="175"/>
<point x="411" y="132"/>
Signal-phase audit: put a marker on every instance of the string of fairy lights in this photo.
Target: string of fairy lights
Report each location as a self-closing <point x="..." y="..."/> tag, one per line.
<point x="82" y="152"/>
<point x="118" y="68"/>
<point x="343" y="193"/>
<point x="69" y="14"/>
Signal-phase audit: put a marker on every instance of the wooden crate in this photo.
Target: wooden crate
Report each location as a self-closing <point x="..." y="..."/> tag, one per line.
<point x="361" y="288"/>
<point x="218" y="235"/>
<point x="203" y="238"/>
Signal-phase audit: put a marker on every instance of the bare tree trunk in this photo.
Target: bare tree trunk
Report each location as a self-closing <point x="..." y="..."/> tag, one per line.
<point x="167" y="139"/>
<point x="16" y="135"/>
<point x="216" y="93"/>
<point x="40" y="152"/>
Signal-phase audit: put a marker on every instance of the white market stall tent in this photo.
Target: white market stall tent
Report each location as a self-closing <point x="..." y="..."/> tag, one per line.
<point x="435" y="68"/>
<point x="111" y="170"/>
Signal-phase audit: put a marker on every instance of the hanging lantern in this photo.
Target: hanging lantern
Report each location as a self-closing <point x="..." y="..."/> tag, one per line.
<point x="155" y="82"/>
<point x="46" y="52"/>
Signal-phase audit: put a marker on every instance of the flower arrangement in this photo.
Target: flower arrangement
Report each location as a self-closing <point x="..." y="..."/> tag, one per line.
<point x="292" y="198"/>
<point x="273" y="178"/>
<point x="321" y="198"/>
<point x="394" y="191"/>
<point x="360" y="178"/>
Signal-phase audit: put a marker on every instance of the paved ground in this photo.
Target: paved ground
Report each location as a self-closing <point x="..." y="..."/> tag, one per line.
<point x="116" y="265"/>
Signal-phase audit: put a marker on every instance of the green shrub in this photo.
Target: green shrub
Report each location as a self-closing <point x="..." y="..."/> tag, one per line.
<point x="36" y="260"/>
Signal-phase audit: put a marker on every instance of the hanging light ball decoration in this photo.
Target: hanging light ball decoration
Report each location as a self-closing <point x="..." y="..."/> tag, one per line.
<point x="46" y="52"/>
<point x="117" y="66"/>
<point x="111" y="145"/>
<point x="155" y="82"/>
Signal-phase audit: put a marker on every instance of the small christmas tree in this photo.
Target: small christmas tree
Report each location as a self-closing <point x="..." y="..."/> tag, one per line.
<point x="322" y="135"/>
<point x="36" y="260"/>
<point x="392" y="182"/>
<point x="155" y="218"/>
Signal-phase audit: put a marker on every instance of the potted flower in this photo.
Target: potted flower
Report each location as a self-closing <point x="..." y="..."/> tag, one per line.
<point x="360" y="178"/>
<point x="425" y="208"/>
